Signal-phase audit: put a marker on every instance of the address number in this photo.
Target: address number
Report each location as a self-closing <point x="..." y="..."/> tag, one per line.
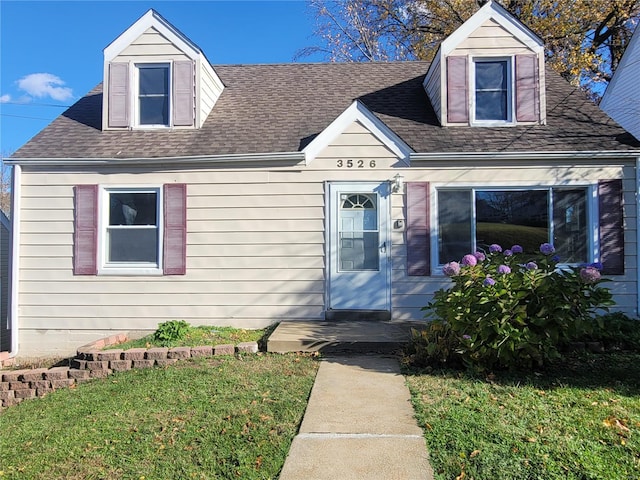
<point x="356" y="164"/>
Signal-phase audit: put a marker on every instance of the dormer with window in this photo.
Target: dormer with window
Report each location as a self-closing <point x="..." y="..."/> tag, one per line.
<point x="489" y="72"/>
<point x="155" y="77"/>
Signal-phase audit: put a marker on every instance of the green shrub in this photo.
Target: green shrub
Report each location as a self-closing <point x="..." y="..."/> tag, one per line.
<point x="615" y="331"/>
<point x="171" y="331"/>
<point x="510" y="309"/>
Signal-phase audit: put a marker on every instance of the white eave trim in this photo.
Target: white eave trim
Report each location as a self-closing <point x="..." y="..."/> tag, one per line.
<point x="164" y="161"/>
<point x="494" y="11"/>
<point x="533" y="155"/>
<point x="358" y="112"/>
<point x="148" y="20"/>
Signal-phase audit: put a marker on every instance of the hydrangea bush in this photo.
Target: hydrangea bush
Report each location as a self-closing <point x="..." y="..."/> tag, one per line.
<point x="510" y="309"/>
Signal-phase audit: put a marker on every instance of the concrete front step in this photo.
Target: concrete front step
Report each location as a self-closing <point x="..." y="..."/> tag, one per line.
<point x="355" y="336"/>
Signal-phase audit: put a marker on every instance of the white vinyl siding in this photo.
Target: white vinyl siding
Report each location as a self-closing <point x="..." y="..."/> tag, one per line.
<point x="491" y="39"/>
<point x="255" y="243"/>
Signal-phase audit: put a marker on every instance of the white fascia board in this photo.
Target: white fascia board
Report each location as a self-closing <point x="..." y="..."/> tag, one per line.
<point x="358" y="112"/>
<point x="175" y="162"/>
<point x="148" y="20"/>
<point x="533" y="155"/>
<point x="493" y="11"/>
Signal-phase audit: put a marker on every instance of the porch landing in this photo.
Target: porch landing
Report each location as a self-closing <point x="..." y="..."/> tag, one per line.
<point x="355" y="336"/>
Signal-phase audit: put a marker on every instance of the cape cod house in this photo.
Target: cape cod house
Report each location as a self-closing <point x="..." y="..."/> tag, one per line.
<point x="249" y="194"/>
<point x="621" y="99"/>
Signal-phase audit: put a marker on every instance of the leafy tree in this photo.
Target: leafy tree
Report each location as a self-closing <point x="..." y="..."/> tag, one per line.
<point x="585" y="39"/>
<point x="5" y="185"/>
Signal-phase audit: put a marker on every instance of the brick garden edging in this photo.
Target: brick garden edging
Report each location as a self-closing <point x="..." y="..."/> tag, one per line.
<point x="93" y="362"/>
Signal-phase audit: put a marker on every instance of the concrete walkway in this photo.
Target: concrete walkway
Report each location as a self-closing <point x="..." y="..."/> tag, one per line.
<point x="359" y="424"/>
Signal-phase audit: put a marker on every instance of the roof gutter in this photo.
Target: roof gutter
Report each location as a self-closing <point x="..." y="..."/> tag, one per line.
<point x="14" y="258"/>
<point x="534" y="155"/>
<point x="174" y="161"/>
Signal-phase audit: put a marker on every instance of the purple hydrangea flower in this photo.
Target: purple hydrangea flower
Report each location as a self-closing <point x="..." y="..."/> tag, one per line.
<point x="508" y="253"/>
<point x="466" y="337"/>
<point x="469" y="260"/>
<point x="489" y="282"/>
<point x="531" y="266"/>
<point x="503" y="269"/>
<point x="556" y="258"/>
<point x="547" y="249"/>
<point x="517" y="249"/>
<point x="451" y="269"/>
<point x="589" y="275"/>
<point x="481" y="257"/>
<point x="495" y="248"/>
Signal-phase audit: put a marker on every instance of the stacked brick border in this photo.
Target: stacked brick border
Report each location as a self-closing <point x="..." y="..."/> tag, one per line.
<point x="93" y="362"/>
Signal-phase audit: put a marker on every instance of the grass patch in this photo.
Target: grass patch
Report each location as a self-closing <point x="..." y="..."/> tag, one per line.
<point x="198" y="336"/>
<point x="203" y="418"/>
<point x="579" y="419"/>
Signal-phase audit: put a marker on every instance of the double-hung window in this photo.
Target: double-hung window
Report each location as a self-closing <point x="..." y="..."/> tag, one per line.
<point x="474" y="218"/>
<point x="153" y="94"/>
<point x="131" y="228"/>
<point x="492" y="90"/>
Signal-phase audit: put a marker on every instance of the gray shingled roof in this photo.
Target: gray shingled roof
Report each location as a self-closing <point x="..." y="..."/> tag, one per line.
<point x="280" y="108"/>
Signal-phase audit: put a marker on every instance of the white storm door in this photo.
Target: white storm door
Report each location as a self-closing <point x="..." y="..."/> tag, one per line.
<point x="359" y="246"/>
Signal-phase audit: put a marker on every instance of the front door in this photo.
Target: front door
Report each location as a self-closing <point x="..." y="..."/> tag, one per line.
<point x="359" y="246"/>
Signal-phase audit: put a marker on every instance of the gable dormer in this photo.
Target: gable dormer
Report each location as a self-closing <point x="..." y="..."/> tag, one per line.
<point x="489" y="72"/>
<point x="155" y="77"/>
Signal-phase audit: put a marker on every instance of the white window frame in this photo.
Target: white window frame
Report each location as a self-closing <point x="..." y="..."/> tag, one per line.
<point x="592" y="215"/>
<point x="135" y="92"/>
<point x="128" y="268"/>
<point x="510" y="91"/>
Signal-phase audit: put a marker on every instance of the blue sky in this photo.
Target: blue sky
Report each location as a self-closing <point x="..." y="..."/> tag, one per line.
<point x="51" y="51"/>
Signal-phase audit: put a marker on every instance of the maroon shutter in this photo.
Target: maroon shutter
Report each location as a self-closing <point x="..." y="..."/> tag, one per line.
<point x="418" y="231"/>
<point x="175" y="229"/>
<point x="118" y="94"/>
<point x="457" y="90"/>
<point x="527" y="89"/>
<point x="85" y="235"/>
<point x="611" y="229"/>
<point x="183" y="93"/>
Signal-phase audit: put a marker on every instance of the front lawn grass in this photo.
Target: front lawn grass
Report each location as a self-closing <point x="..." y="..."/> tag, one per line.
<point x="579" y="419"/>
<point x="201" y="418"/>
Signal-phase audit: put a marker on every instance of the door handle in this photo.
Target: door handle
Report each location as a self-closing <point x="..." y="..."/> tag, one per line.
<point x="383" y="247"/>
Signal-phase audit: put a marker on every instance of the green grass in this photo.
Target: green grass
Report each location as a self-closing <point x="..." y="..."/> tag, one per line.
<point x="576" y="420"/>
<point x="202" y="418"/>
<point x="198" y="336"/>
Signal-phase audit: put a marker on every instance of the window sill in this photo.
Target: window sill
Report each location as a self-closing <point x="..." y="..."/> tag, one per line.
<point x="137" y="271"/>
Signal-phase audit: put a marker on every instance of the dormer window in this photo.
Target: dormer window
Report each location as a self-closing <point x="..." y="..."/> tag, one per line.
<point x="492" y="90"/>
<point x="488" y="73"/>
<point x="156" y="78"/>
<point x="153" y="95"/>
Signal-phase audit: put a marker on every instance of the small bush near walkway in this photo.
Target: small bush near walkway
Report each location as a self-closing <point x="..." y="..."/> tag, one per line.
<point x="576" y="419"/>
<point x="202" y="418"/>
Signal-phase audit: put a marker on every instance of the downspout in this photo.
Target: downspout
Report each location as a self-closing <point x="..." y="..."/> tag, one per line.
<point x="14" y="258"/>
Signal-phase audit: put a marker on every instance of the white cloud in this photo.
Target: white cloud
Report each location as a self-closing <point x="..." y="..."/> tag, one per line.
<point x="41" y="85"/>
<point x="5" y="98"/>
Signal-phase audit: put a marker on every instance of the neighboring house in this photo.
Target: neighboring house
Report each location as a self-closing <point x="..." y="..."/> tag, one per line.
<point x="5" y="245"/>
<point x="249" y="194"/>
<point x="621" y="99"/>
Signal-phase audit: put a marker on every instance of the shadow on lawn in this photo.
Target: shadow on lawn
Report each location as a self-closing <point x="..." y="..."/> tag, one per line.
<point x="619" y="371"/>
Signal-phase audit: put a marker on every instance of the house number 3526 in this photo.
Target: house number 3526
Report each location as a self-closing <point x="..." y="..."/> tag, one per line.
<point x="356" y="163"/>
